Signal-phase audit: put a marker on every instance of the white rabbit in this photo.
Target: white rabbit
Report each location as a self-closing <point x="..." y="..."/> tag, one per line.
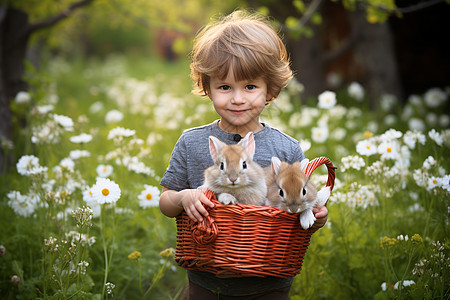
<point x="235" y="177"/>
<point x="290" y="190"/>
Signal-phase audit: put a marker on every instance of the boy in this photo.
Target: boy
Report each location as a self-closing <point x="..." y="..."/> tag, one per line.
<point x="241" y="64"/>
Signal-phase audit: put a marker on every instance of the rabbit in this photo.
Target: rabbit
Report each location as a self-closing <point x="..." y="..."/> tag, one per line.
<point x="235" y="177"/>
<point x="291" y="190"/>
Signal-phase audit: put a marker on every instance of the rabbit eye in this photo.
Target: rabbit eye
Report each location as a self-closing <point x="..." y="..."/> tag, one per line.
<point x="304" y="191"/>
<point x="222" y="166"/>
<point x="281" y="193"/>
<point x="244" y="165"/>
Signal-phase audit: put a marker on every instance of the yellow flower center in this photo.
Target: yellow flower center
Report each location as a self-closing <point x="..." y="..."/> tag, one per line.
<point x="319" y="134"/>
<point x="368" y="147"/>
<point x="149" y="196"/>
<point x="105" y="192"/>
<point x="104" y="169"/>
<point x="389" y="150"/>
<point x="90" y="193"/>
<point x="434" y="181"/>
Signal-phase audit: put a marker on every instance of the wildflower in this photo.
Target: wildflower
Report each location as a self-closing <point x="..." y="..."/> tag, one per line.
<point x="416" y="124"/>
<point x="389" y="150"/>
<point x="82" y="265"/>
<point x="22" y="97"/>
<point x="444" y="182"/>
<point x="305" y="145"/>
<point x="411" y="137"/>
<point x="44" y="109"/>
<point x="417" y="238"/>
<point x="105" y="191"/>
<point x="15" y="280"/>
<point x="391" y="134"/>
<point x="96" y="107"/>
<point x="29" y="165"/>
<point x="356" y="91"/>
<point x="2" y="250"/>
<point x="387" y="242"/>
<point x="366" y="147"/>
<point x="64" y="122"/>
<point x="120" y="132"/>
<point x="104" y="170"/>
<point x="113" y="116"/>
<point x="435" y="97"/>
<point x="167" y="252"/>
<point x="81" y="139"/>
<point x="436" y="136"/>
<point x="134" y="255"/>
<point x="67" y="164"/>
<point x="429" y="163"/>
<point x="109" y="287"/>
<point x="444" y="121"/>
<point x="327" y="100"/>
<point x="83" y="216"/>
<point x="352" y="162"/>
<point x="319" y="134"/>
<point x="149" y="197"/>
<point x="433" y="182"/>
<point x="403" y="238"/>
<point x="388" y="101"/>
<point x="76" y="154"/>
<point x="23" y="205"/>
<point x="405" y="283"/>
<point x="368" y="134"/>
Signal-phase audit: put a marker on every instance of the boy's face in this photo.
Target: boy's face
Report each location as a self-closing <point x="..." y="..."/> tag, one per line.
<point x="239" y="103"/>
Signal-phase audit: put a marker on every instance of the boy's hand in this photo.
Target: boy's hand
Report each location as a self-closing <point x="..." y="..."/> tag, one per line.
<point x="321" y="214"/>
<point x="192" y="202"/>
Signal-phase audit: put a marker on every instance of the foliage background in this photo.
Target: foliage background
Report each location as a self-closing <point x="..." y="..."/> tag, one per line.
<point x="389" y="222"/>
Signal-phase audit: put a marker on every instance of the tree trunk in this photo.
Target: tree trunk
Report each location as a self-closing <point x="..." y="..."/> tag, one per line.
<point x="375" y="53"/>
<point x="13" y="43"/>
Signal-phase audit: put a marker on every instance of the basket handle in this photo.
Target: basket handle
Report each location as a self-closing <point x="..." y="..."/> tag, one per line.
<point x="312" y="165"/>
<point x="206" y="231"/>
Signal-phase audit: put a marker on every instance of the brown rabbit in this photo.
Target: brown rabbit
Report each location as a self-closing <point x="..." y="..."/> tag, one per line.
<point x="290" y="190"/>
<point x="235" y="177"/>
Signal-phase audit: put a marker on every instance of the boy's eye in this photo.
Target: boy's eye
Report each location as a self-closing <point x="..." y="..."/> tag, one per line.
<point x="224" y="87"/>
<point x="251" y="86"/>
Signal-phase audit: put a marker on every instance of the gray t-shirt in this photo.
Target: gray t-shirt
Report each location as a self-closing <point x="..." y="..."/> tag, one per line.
<point x="191" y="157"/>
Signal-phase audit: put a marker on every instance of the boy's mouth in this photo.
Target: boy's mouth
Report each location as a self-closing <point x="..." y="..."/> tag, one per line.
<point x="238" y="112"/>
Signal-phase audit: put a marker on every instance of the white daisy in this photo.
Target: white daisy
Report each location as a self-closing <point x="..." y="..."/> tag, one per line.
<point x="327" y="100"/>
<point x="29" y="165"/>
<point x="434" y="97"/>
<point x="23" y="205"/>
<point x="416" y="124"/>
<point x="105" y="191"/>
<point x="64" y="121"/>
<point x="305" y="145"/>
<point x="113" y="116"/>
<point x="104" y="170"/>
<point x="389" y="150"/>
<point x="120" y="132"/>
<point x="391" y="134"/>
<point x="22" y="97"/>
<point x="76" y="154"/>
<point x="366" y="147"/>
<point x="356" y="91"/>
<point x="149" y="197"/>
<point x="411" y="137"/>
<point x="319" y="134"/>
<point x="436" y="136"/>
<point x="67" y="163"/>
<point x="82" y="138"/>
<point x="352" y="162"/>
<point x="433" y="182"/>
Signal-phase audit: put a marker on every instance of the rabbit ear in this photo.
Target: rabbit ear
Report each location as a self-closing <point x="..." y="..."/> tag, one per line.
<point x="276" y="163"/>
<point x="248" y="143"/>
<point x="215" y="146"/>
<point x="303" y="164"/>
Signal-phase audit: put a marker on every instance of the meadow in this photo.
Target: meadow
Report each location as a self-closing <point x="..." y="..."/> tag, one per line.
<point x="79" y="204"/>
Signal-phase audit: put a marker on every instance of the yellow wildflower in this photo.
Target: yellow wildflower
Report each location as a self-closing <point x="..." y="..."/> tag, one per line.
<point x="134" y="255"/>
<point x="387" y="242"/>
<point x="167" y="252"/>
<point x="368" y="134"/>
<point x="417" y="238"/>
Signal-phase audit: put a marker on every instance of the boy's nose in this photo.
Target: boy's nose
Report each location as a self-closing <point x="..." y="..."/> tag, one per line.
<point x="238" y="98"/>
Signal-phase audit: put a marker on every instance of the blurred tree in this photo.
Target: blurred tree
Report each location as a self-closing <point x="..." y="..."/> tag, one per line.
<point x="350" y="37"/>
<point x="22" y="23"/>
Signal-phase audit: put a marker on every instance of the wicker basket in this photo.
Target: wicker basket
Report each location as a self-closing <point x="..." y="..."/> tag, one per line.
<point x="246" y="240"/>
